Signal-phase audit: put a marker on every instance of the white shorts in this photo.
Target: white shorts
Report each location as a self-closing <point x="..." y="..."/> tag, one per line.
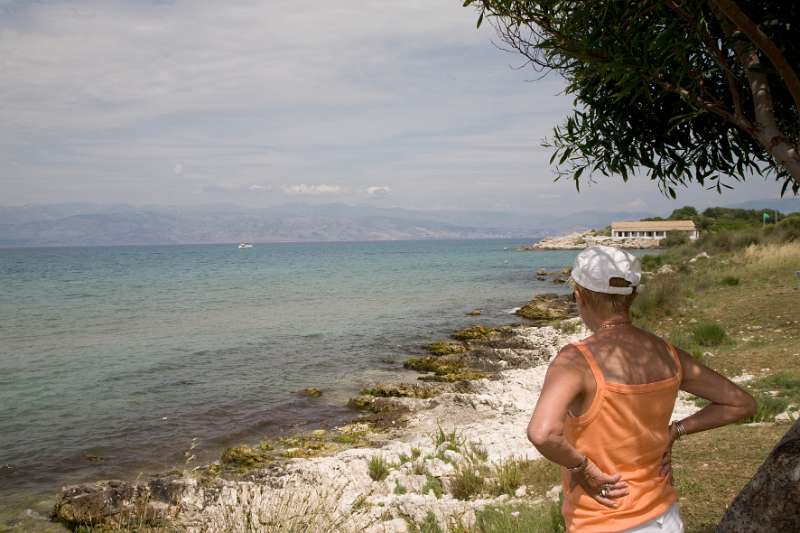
<point x="669" y="522"/>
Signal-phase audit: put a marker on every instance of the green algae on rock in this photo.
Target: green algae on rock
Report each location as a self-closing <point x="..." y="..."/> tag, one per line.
<point x="445" y="348"/>
<point x="475" y="333"/>
<point x="400" y="390"/>
<point x="244" y="456"/>
<point x="548" y="307"/>
<point x="311" y="392"/>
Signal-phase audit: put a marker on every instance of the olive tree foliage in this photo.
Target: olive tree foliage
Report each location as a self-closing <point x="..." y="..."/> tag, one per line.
<point x="682" y="90"/>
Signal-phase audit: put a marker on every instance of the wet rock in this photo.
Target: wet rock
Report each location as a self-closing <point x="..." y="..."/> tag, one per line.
<point x="244" y="456"/>
<point x="548" y="307"/>
<point x="117" y="504"/>
<point x="474" y="312"/>
<point x="445" y="348"/>
<point x="476" y="333"/>
<point x="311" y="392"/>
<point x="402" y="390"/>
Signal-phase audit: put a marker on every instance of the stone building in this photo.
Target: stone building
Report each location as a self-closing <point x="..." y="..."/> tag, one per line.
<point x="653" y="229"/>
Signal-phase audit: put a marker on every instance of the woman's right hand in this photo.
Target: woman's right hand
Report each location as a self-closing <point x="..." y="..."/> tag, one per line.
<point x="604" y="488"/>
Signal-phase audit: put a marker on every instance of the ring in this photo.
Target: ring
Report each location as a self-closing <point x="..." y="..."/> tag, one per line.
<point x="603" y="492"/>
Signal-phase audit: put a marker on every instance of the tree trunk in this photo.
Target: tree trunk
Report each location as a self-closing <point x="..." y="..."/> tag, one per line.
<point x="770" y="502"/>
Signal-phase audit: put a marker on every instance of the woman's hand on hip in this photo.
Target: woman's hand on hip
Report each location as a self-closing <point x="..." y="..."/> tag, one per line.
<point x="666" y="459"/>
<point x="604" y="488"/>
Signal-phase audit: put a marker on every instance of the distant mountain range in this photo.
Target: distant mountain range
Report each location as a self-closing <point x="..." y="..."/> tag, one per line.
<point x="92" y="225"/>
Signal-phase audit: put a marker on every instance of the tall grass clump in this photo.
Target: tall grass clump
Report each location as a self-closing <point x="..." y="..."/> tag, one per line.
<point x="730" y="281"/>
<point x="468" y="481"/>
<point x="378" y="468"/>
<point x="784" y="256"/>
<point x="708" y="334"/>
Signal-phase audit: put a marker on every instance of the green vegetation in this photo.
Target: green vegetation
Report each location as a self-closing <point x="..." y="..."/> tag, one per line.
<point x="468" y="481"/>
<point x="378" y="468"/>
<point x="432" y="485"/>
<point x="730" y="281"/>
<point x="653" y="97"/>
<point x="708" y="334"/>
<point x="517" y="518"/>
<point x="475" y="333"/>
<point x="444" y="368"/>
<point x="445" y="348"/>
<point x="429" y="525"/>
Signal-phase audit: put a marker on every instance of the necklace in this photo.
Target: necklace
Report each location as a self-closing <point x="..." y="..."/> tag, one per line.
<point x="609" y="325"/>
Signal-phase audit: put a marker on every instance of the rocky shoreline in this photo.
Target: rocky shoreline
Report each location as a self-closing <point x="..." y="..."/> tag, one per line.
<point x="582" y="239"/>
<point x="402" y="462"/>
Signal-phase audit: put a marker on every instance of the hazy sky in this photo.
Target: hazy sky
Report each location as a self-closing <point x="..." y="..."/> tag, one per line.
<point x="261" y="103"/>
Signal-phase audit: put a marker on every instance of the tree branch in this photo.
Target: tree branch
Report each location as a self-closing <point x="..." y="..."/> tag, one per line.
<point x="764" y="43"/>
<point x="717" y="53"/>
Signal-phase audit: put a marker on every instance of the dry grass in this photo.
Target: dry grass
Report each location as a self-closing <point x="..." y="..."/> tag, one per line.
<point x="712" y="467"/>
<point x="772" y="256"/>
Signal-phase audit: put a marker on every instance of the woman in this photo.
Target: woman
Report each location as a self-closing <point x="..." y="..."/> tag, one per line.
<point x="606" y="402"/>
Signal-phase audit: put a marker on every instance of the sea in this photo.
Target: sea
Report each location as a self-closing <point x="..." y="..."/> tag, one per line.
<point x="115" y="360"/>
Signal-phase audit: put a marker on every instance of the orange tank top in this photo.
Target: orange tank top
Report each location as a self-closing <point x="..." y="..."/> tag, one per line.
<point x="625" y="431"/>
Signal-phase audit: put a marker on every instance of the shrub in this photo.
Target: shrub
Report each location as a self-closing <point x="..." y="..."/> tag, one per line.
<point x="650" y="263"/>
<point x="658" y="296"/>
<point x="708" y="334"/>
<point x="467" y="481"/>
<point x="730" y="281"/>
<point x="508" y="477"/>
<point x="378" y="468"/>
<point x="788" y="229"/>
<point x="674" y="239"/>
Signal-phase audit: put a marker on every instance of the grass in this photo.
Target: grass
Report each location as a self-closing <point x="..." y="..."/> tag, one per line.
<point x="432" y="485"/>
<point x="452" y="439"/>
<point x="708" y="334"/>
<point x="378" y="468"/>
<point x="468" y="481"/>
<point x="710" y="468"/>
<point x="430" y="524"/>
<point x="517" y="518"/>
<point x="730" y="281"/>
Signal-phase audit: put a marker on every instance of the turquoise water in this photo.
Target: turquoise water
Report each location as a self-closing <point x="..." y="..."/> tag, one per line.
<point x="113" y="359"/>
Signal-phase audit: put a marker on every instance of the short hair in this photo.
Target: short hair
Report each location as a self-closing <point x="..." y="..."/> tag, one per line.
<point x="609" y="302"/>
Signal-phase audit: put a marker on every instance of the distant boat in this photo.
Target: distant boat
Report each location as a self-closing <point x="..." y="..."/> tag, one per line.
<point x="245" y="245"/>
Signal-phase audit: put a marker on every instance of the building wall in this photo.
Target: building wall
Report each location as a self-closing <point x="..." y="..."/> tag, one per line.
<point x="651" y="234"/>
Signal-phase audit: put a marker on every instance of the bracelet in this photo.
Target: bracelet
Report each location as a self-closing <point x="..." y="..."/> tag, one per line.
<point x="679" y="429"/>
<point x="580" y="466"/>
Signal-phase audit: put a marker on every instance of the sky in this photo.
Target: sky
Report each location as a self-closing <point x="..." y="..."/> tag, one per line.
<point x="390" y="104"/>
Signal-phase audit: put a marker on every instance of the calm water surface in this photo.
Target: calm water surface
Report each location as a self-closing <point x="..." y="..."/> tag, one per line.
<point x="113" y="359"/>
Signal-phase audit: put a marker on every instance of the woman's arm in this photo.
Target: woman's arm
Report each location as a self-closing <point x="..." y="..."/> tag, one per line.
<point x="729" y="402"/>
<point x="563" y="384"/>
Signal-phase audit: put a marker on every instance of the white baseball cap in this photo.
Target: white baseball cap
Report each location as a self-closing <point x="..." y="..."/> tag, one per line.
<point x="596" y="265"/>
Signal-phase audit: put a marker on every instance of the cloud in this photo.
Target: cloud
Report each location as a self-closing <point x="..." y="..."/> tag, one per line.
<point x="313" y="190"/>
<point x="376" y="190"/>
